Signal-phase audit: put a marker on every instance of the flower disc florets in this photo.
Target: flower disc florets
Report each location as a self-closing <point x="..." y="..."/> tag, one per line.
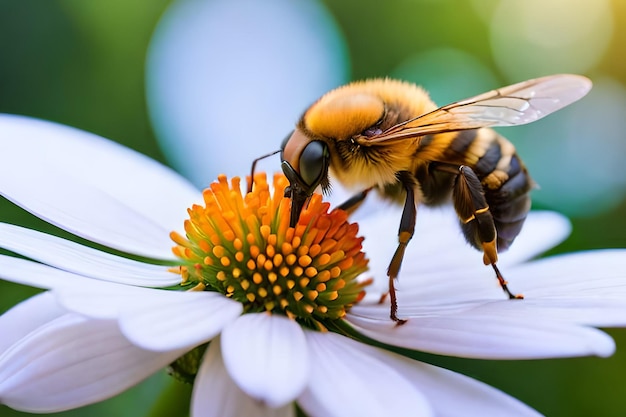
<point x="243" y="247"/>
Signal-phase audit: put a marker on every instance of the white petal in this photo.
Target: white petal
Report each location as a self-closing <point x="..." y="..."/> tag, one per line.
<point x="73" y="257"/>
<point x="92" y="187"/>
<point x="71" y="362"/>
<point x="587" y="288"/>
<point x="22" y="271"/>
<point x="157" y="320"/>
<point x="267" y="356"/>
<point x="593" y="273"/>
<point x="542" y="231"/>
<point x="183" y="319"/>
<point x="452" y="394"/>
<point x="473" y="334"/>
<point x="30" y="314"/>
<point x="215" y="394"/>
<point x="351" y="379"/>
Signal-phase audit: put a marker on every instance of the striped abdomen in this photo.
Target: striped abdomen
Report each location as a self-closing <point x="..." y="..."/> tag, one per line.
<point x="504" y="178"/>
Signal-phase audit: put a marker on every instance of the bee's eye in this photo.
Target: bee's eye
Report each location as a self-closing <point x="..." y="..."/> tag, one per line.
<point x="284" y="143"/>
<point x="314" y="162"/>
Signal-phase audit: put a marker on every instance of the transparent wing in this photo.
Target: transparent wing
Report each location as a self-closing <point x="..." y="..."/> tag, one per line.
<point x="515" y="104"/>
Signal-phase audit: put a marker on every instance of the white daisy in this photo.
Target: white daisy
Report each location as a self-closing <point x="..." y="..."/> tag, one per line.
<point x="102" y="328"/>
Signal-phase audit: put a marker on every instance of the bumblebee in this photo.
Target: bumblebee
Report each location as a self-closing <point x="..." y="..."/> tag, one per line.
<point x="387" y="135"/>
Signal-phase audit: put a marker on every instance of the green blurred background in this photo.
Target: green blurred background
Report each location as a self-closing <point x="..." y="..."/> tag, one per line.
<point x="82" y="63"/>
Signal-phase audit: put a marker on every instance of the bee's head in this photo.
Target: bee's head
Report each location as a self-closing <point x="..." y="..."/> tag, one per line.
<point x="305" y="164"/>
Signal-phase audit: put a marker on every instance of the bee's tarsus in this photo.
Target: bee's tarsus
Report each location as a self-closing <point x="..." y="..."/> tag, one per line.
<point x="503" y="285"/>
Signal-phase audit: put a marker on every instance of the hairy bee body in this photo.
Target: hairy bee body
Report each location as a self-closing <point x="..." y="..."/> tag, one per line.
<point x="384" y="103"/>
<point x="389" y="136"/>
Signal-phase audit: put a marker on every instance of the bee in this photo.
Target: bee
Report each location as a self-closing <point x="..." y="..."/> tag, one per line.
<point x="387" y="135"/>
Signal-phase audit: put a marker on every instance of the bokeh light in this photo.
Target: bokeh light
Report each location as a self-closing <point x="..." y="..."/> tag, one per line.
<point x="578" y="158"/>
<point x="447" y="74"/>
<point x="228" y="79"/>
<point x="531" y="38"/>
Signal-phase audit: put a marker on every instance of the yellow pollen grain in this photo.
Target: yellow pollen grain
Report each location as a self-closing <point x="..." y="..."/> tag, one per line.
<point x="225" y="261"/>
<point x="290" y="284"/>
<point x="304" y="260"/>
<point x="333" y="295"/>
<point x="270" y="305"/>
<point x="323" y="276"/>
<point x="236" y="272"/>
<point x="277" y="289"/>
<point x="254" y="251"/>
<point x="262" y="292"/>
<point x="284" y="271"/>
<point x="323" y="259"/>
<point x="297" y="271"/>
<point x="302" y="250"/>
<point x="221" y="275"/>
<point x="310" y="272"/>
<point x="335" y="271"/>
<point x="272" y="239"/>
<point x="270" y="251"/>
<point x="268" y="265"/>
<point x="245" y="284"/>
<point x="198" y="287"/>
<point x="286" y="248"/>
<point x="298" y="295"/>
<point x="208" y="260"/>
<point x="219" y="251"/>
<point x="251" y="265"/>
<point x="278" y="260"/>
<point x="320" y="287"/>
<point x="295" y="242"/>
<point x="230" y="289"/>
<point x="309" y="308"/>
<point x="250" y="239"/>
<point x="315" y="250"/>
<point x="204" y="245"/>
<point x="251" y="297"/>
<point x="239" y="256"/>
<point x="238" y="244"/>
<point x="229" y="235"/>
<point x="322" y="309"/>
<point x="291" y="259"/>
<point x="257" y="278"/>
<point x="346" y="263"/>
<point x="260" y="260"/>
<point x="339" y="284"/>
<point x="304" y="282"/>
<point x="272" y="277"/>
<point x="265" y="231"/>
<point x="312" y="294"/>
<point x="215" y="240"/>
<point x="283" y="303"/>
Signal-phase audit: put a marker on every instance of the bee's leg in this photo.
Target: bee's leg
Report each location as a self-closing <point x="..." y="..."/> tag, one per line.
<point x="405" y="233"/>
<point x="351" y="204"/>
<point x="476" y="220"/>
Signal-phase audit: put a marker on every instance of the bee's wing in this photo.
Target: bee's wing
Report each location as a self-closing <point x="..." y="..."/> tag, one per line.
<point x="515" y="104"/>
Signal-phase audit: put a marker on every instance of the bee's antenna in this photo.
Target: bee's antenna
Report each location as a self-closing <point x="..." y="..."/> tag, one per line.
<point x="254" y="166"/>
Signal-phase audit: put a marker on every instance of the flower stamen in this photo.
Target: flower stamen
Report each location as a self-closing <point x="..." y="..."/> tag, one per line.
<point x="242" y="246"/>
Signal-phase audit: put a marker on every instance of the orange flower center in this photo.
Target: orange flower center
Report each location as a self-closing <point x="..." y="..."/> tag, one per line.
<point x="242" y="246"/>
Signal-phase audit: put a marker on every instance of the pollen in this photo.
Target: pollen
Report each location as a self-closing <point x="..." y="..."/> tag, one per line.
<point x="242" y="246"/>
